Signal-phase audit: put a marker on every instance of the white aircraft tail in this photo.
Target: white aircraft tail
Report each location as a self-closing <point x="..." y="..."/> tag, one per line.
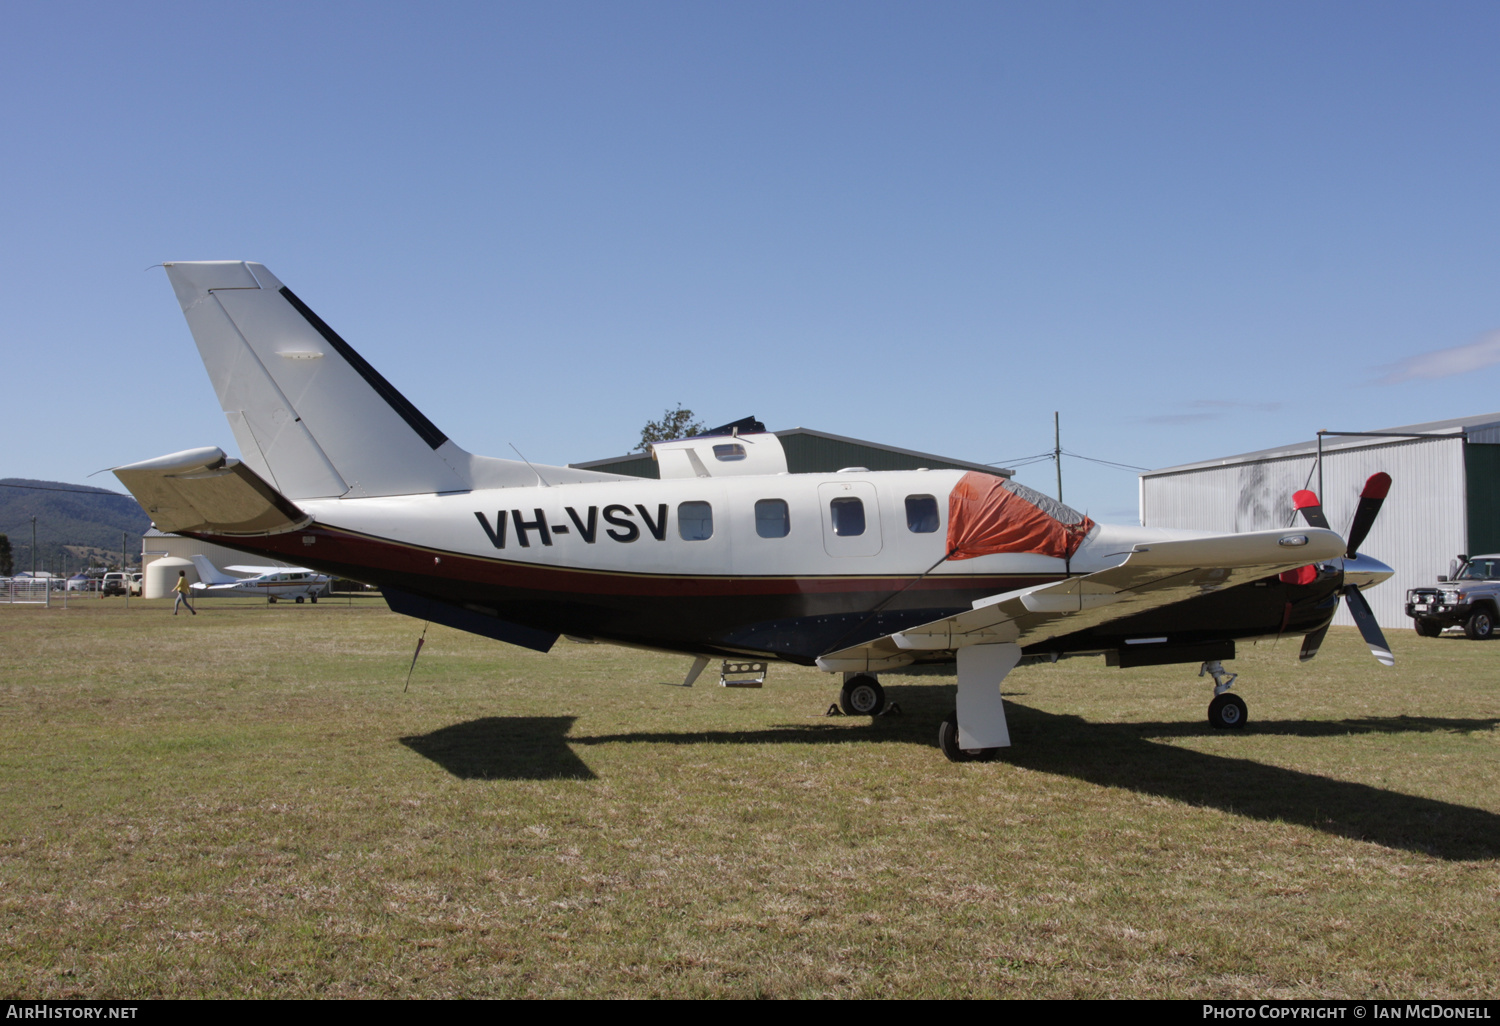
<point x="310" y="415"/>
<point x="210" y="574"/>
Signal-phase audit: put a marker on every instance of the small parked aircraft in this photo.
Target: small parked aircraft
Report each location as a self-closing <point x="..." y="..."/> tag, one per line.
<point x="268" y="582"/>
<point x="727" y="556"/>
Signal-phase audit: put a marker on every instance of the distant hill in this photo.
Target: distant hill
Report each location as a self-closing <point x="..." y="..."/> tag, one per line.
<point x="75" y="524"/>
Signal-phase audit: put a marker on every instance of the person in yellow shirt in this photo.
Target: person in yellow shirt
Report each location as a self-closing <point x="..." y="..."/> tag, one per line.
<point x="182" y="590"/>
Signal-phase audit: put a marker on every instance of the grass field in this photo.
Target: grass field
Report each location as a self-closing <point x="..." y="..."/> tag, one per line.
<point x="246" y="803"/>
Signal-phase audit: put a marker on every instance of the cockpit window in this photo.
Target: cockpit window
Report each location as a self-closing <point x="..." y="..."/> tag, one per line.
<point x="729" y="452"/>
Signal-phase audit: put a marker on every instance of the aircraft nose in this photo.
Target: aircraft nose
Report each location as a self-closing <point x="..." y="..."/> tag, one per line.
<point x="1365" y="571"/>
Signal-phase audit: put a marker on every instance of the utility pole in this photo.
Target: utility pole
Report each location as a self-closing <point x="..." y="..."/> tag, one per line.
<point x="1057" y="452"/>
<point x="33" y="547"/>
<point x="124" y="571"/>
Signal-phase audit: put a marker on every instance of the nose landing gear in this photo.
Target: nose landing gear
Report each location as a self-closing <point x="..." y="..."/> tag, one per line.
<point x="1227" y="711"/>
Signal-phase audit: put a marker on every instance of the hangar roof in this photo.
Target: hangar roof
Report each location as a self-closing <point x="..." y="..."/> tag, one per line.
<point x="1483" y="428"/>
<point x="810" y="451"/>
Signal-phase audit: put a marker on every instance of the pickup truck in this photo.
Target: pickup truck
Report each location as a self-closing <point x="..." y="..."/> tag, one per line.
<point x="1469" y="599"/>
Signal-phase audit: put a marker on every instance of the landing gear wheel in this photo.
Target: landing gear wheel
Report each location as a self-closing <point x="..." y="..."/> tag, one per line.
<point x="313" y="599"/>
<point x="1480" y="625"/>
<point x="299" y="600"/>
<point x="1427" y="628"/>
<point x="862" y="696"/>
<point x="1227" y="712"/>
<point x="948" y="742"/>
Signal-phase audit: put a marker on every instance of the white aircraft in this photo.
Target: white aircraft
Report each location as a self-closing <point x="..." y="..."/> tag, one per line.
<point x="726" y="556"/>
<point x="268" y="582"/>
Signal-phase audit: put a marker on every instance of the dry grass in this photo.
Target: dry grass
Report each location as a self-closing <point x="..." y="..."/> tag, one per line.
<point x="247" y="804"/>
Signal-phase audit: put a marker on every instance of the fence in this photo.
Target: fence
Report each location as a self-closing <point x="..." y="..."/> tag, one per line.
<point x="24" y="590"/>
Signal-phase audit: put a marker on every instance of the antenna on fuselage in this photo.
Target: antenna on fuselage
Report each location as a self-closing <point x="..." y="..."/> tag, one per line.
<point x="524" y="460"/>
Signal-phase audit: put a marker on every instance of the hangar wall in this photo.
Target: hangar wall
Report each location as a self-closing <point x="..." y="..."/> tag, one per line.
<point x="1422" y="526"/>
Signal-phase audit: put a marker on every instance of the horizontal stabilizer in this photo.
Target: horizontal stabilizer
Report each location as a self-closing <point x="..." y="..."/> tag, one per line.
<point x="202" y="490"/>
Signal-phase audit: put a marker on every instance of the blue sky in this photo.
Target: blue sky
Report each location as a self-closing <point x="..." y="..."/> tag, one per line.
<point x="1193" y="229"/>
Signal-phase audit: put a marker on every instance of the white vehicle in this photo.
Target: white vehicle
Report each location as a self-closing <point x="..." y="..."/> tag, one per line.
<point x="1469" y="598"/>
<point x="297" y="583"/>
<point x="727" y="556"/>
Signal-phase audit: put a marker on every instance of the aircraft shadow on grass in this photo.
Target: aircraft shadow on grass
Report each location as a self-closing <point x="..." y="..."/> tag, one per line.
<point x="1124" y="755"/>
<point x="504" y="748"/>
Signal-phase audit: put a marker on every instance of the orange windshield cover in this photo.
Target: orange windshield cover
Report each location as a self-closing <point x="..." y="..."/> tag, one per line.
<point x="987" y="514"/>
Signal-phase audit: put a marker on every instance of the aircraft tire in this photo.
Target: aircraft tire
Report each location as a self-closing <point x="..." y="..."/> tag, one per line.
<point x="862" y="696"/>
<point x="313" y="599"/>
<point x="948" y="742"/>
<point x="299" y="600"/>
<point x="1480" y="626"/>
<point x="1227" y="712"/>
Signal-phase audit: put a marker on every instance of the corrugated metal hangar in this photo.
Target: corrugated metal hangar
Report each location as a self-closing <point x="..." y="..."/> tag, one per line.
<point x="1444" y="498"/>
<point x="812" y="452"/>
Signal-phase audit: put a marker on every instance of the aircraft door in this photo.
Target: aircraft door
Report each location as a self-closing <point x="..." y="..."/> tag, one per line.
<point x="851" y="518"/>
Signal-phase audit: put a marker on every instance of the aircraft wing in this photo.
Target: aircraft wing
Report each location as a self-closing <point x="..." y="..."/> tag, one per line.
<point x="1152" y="575"/>
<point x="259" y="571"/>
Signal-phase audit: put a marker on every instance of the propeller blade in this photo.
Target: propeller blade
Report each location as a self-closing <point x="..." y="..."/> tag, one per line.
<point x="1312" y="642"/>
<point x="1311" y="509"/>
<point x="1365" y="618"/>
<point x="1370" y="501"/>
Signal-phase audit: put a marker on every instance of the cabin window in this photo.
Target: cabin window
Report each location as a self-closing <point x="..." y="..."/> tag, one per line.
<point x="695" y="521"/>
<point x="729" y="452"/>
<point x="848" y="517"/>
<point x="921" y="514"/>
<point x="772" y="519"/>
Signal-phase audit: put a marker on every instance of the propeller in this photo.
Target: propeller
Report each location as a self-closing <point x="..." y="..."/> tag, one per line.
<point x="1370" y="501"/>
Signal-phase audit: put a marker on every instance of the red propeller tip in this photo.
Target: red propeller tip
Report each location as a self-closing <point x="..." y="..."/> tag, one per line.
<point x="1304" y="499"/>
<point x="1375" y="488"/>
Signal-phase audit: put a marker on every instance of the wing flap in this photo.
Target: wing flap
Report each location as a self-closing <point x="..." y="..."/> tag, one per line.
<point x="204" y="490"/>
<point x="1160" y="574"/>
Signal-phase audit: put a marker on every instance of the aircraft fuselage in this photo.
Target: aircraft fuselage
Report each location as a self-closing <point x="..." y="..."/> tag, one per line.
<point x="786" y="566"/>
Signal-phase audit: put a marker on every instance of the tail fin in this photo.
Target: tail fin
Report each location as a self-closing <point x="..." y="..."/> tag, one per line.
<point x="309" y="414"/>
<point x="210" y="574"/>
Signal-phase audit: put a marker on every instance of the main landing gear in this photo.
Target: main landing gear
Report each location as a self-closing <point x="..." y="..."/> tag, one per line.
<point x="1227" y="711"/>
<point x="861" y="695"/>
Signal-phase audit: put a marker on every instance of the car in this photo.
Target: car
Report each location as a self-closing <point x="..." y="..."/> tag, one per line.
<point x="1469" y="598"/>
<point x="114" y="583"/>
<point x="136" y="583"/>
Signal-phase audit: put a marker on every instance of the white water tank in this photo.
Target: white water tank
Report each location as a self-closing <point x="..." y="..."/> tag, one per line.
<point x="161" y="576"/>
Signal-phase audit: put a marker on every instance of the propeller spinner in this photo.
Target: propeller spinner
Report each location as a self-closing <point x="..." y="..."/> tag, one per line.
<point x="1370" y="501"/>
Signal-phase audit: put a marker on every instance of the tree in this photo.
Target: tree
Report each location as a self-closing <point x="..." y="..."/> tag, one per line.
<point x="7" y="558"/>
<point x="678" y="423"/>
